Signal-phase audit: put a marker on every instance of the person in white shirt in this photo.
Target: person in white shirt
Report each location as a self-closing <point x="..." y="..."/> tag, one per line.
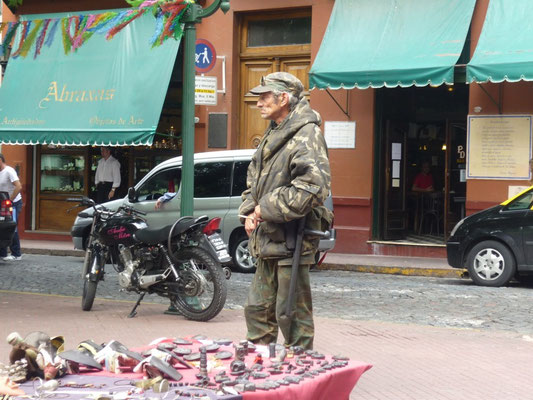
<point x="107" y="176"/>
<point x="9" y="182"/>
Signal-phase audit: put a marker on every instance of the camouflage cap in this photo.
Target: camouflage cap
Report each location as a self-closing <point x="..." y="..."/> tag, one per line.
<point x="279" y="81"/>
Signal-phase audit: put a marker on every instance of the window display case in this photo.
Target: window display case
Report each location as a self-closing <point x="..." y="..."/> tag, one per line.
<point x="62" y="173"/>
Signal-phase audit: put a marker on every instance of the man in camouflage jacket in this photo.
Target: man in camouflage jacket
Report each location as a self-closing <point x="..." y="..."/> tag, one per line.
<point x="288" y="179"/>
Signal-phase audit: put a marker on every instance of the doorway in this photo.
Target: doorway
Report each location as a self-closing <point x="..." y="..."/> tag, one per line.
<point x="423" y="157"/>
<point x="270" y="42"/>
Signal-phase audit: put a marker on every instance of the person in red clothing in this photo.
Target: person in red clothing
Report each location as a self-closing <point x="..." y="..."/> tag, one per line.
<point x="424" y="180"/>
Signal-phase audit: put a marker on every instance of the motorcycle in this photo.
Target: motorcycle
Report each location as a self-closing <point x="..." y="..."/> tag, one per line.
<point x="181" y="261"/>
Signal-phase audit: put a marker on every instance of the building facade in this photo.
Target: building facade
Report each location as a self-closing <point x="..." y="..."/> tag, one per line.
<point x="380" y="136"/>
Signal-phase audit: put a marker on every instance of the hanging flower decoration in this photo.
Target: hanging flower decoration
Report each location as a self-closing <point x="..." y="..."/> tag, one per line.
<point x="76" y="30"/>
<point x="13" y="3"/>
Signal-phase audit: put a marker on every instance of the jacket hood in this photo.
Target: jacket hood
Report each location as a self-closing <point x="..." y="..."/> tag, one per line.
<point x="302" y="115"/>
<point x="278" y="135"/>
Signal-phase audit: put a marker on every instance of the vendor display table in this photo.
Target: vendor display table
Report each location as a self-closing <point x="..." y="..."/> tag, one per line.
<point x="322" y="379"/>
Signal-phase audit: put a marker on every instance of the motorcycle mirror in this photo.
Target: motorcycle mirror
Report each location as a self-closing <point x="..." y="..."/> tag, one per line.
<point x="132" y="195"/>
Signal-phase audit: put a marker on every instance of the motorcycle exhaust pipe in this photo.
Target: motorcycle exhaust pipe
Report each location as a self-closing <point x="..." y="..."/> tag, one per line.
<point x="149" y="280"/>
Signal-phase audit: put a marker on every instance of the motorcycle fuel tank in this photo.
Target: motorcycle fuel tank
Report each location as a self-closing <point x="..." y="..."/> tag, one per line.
<point x="120" y="230"/>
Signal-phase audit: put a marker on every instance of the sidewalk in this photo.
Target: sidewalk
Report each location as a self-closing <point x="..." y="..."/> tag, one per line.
<point x="414" y="266"/>
<point x="409" y="361"/>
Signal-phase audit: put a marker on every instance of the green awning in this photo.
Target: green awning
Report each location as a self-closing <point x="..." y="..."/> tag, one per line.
<point x="109" y="92"/>
<point x="505" y="48"/>
<point x="391" y="43"/>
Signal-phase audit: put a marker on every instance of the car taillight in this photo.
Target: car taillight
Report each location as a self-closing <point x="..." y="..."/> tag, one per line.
<point x="212" y="226"/>
<point x="6" y="209"/>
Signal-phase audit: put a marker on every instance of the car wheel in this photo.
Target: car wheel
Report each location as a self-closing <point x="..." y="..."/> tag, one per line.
<point x="491" y="263"/>
<point x="242" y="259"/>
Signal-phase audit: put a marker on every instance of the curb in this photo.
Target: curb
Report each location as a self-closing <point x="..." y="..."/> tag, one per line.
<point x="391" y="270"/>
<point x="53" y="252"/>
<point x="374" y="269"/>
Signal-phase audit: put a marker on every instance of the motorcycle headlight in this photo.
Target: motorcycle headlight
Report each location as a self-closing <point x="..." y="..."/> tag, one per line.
<point x="457" y="227"/>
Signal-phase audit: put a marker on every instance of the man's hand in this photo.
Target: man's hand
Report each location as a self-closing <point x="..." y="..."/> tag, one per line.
<point x="111" y="194"/>
<point x="158" y="204"/>
<point x="252" y="220"/>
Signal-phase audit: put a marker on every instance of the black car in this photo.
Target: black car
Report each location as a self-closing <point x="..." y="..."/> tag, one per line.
<point x="495" y="244"/>
<point x="7" y="225"/>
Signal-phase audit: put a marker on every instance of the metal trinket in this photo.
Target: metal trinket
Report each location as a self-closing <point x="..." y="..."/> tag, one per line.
<point x="182" y="351"/>
<point x="203" y="361"/>
<point x="272" y="350"/>
<point x="181" y="342"/>
<point x="223" y="355"/>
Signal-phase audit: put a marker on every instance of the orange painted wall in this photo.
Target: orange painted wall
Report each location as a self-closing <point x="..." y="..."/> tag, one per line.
<point x="351" y="168"/>
<point x="514" y="98"/>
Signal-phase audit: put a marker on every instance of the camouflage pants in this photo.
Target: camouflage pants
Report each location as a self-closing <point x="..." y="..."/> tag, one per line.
<point x="267" y="301"/>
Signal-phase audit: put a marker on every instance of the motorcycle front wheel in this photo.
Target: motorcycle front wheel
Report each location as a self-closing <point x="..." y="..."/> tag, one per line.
<point x="89" y="287"/>
<point x="201" y="292"/>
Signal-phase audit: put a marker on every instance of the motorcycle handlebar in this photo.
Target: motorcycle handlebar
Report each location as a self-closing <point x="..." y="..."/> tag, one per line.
<point x="132" y="210"/>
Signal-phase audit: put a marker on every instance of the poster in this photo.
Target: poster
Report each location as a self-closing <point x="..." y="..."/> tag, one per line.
<point x="499" y="147"/>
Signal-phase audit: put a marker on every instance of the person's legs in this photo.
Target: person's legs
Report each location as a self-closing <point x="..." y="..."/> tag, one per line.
<point x="259" y="310"/>
<point x="15" y="244"/>
<point x="302" y="330"/>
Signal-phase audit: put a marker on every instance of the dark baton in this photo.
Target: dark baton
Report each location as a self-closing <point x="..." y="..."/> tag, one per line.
<point x="285" y="320"/>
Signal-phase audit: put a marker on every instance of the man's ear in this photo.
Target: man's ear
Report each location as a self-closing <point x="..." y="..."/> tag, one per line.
<point x="284" y="99"/>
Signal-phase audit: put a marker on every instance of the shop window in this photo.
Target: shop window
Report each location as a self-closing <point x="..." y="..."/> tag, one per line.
<point x="279" y="32"/>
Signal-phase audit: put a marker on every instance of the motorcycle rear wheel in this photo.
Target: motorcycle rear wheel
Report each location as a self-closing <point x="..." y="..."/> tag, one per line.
<point x="195" y="300"/>
<point x="89" y="287"/>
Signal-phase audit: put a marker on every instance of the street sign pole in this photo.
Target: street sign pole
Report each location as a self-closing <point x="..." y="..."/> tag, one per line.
<point x="187" y="149"/>
<point x="194" y="15"/>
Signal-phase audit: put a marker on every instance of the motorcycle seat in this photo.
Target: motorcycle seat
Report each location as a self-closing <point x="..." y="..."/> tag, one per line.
<point x="160" y="235"/>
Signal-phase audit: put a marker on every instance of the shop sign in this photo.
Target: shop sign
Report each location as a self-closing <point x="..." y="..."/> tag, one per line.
<point x="205" y="91"/>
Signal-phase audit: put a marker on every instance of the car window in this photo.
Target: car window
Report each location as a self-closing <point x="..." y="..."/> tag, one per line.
<point x="157" y="185"/>
<point x="212" y="179"/>
<point x="239" y="177"/>
<point x="521" y="203"/>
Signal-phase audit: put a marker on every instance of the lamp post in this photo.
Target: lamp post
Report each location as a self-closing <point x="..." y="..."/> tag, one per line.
<point x="194" y="15"/>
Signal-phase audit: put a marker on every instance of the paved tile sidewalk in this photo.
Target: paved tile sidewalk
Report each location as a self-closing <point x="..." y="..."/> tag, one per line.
<point x="410" y="361"/>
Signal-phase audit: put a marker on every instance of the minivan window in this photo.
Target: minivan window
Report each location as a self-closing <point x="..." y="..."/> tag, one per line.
<point x="212" y="179"/>
<point x="157" y="185"/>
<point x="239" y="177"/>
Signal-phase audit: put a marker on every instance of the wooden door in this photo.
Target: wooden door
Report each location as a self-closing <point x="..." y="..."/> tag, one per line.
<point x="258" y="61"/>
<point x="252" y="125"/>
<point x="395" y="217"/>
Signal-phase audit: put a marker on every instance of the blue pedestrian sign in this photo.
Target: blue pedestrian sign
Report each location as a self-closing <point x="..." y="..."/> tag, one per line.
<point x="205" y="56"/>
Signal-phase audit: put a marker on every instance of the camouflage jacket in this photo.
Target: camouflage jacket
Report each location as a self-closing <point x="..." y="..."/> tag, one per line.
<point x="289" y="177"/>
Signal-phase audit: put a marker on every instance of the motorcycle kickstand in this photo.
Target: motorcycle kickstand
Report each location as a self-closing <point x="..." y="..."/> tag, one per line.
<point x="133" y="313"/>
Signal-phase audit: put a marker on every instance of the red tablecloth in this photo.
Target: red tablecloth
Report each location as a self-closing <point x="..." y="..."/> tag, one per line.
<point x="335" y="383"/>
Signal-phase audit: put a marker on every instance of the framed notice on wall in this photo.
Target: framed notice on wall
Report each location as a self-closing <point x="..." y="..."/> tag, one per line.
<point x="499" y="147"/>
<point x="339" y="134"/>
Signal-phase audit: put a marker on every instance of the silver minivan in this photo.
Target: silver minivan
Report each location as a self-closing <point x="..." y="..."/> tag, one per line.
<point x="219" y="180"/>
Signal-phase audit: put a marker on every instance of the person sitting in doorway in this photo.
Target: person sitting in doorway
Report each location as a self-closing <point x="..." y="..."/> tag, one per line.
<point x="424" y="180"/>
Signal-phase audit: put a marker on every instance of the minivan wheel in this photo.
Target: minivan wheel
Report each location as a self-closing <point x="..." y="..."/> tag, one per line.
<point x="242" y="259"/>
<point x="491" y="263"/>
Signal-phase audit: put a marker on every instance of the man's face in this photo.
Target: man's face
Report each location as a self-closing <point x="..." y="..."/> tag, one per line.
<point x="105" y="152"/>
<point x="270" y="107"/>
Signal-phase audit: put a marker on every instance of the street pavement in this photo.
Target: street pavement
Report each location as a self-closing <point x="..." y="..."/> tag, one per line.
<point x="427" y="338"/>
